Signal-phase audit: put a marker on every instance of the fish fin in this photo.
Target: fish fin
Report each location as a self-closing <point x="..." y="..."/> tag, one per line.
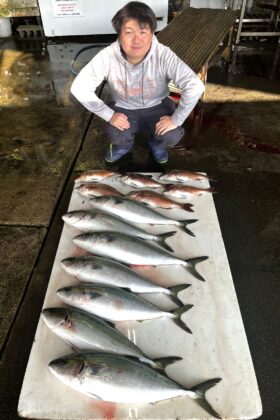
<point x="163" y="362"/>
<point x="96" y="397"/>
<point x="163" y="237"/>
<point x="174" y="292"/>
<point x="187" y="207"/>
<point x="182" y="325"/>
<point x="187" y="222"/>
<point x="178" y="312"/>
<point x="200" y="390"/>
<point x="110" y="323"/>
<point x="191" y="266"/>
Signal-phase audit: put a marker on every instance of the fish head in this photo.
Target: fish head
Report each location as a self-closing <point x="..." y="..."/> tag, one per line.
<point x="67" y="294"/>
<point x="86" y="238"/>
<point x="71" y="265"/>
<point x="77" y="295"/>
<point x="69" y="370"/>
<point x="73" y="217"/>
<point x="54" y="317"/>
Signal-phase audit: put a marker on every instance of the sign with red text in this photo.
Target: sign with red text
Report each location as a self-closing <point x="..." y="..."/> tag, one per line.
<point x="64" y="8"/>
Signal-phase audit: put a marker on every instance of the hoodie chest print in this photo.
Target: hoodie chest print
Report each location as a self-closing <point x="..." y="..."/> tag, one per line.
<point x="137" y="88"/>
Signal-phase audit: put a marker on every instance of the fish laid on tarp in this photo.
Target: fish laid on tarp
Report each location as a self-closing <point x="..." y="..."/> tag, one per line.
<point x="157" y="200"/>
<point x="139" y="181"/>
<point x="119" y="379"/>
<point x="94" y="221"/>
<point x="135" y="212"/>
<point x="85" y="331"/>
<point x="95" y="175"/>
<point x="176" y="175"/>
<point x="92" y="269"/>
<point x="115" y="304"/>
<point x="186" y="191"/>
<point x="133" y="251"/>
<point x="96" y="189"/>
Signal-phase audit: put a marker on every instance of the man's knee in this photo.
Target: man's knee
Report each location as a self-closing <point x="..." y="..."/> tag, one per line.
<point x="118" y="137"/>
<point x="172" y="137"/>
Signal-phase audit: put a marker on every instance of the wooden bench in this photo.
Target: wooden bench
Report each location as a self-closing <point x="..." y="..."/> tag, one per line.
<point x="197" y="35"/>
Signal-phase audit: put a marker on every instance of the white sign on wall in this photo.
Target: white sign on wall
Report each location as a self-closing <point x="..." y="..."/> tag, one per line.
<point x="64" y="8"/>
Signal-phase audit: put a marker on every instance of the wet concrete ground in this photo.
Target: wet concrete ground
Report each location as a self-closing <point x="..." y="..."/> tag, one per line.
<point x="47" y="138"/>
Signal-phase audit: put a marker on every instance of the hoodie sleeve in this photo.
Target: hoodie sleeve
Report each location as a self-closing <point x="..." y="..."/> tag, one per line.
<point x="186" y="80"/>
<point x="86" y="82"/>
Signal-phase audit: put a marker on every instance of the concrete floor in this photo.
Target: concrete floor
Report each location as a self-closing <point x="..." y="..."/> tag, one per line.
<point x="47" y="138"/>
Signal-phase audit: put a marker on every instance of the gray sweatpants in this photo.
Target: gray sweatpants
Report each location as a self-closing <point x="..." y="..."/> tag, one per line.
<point x="144" y="119"/>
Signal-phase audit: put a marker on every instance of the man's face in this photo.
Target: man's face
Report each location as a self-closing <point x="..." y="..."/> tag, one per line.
<point x="135" y="40"/>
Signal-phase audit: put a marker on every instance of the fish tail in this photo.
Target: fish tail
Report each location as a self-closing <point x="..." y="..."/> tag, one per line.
<point x="177" y="313"/>
<point x="200" y="391"/>
<point x="174" y="290"/>
<point x="191" y="266"/>
<point x="184" y="224"/>
<point x="162" y="362"/>
<point x="162" y="239"/>
<point x="187" y="207"/>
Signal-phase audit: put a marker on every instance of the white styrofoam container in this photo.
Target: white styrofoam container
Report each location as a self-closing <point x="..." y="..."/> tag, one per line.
<point x="89" y="17"/>
<point x="218" y="346"/>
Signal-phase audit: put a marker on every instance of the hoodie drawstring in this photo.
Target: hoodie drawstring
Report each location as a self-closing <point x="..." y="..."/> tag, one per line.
<point x="125" y="82"/>
<point x="143" y="84"/>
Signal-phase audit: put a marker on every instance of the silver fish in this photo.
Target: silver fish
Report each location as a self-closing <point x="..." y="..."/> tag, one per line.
<point x="115" y="304"/>
<point x="177" y="175"/>
<point x="139" y="181"/>
<point x="85" y="331"/>
<point x="95" y="189"/>
<point x="122" y="380"/>
<point x="91" y="269"/>
<point x="135" y="212"/>
<point x="133" y="251"/>
<point x="94" y="221"/>
<point x="95" y="175"/>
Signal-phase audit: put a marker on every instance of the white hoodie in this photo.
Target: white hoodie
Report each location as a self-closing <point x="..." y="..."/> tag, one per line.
<point x="137" y="86"/>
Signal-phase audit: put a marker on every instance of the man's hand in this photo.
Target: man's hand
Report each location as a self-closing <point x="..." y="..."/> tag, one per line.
<point x="119" y="121"/>
<point x="164" y="125"/>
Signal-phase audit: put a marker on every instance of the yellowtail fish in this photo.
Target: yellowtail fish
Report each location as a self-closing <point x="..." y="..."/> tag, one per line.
<point x="98" y="270"/>
<point x="119" y="379"/>
<point x="134" y="251"/>
<point x="85" y="331"/>
<point x="135" y="212"/>
<point x="115" y="304"/>
<point x="185" y="191"/>
<point x="94" y="175"/>
<point x="158" y="200"/>
<point x="92" y="221"/>
<point x="176" y="175"/>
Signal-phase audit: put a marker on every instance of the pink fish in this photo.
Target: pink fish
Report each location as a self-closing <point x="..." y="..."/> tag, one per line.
<point x="157" y="200"/>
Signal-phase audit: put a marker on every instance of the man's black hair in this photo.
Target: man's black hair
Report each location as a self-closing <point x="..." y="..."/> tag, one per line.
<point x="138" y="11"/>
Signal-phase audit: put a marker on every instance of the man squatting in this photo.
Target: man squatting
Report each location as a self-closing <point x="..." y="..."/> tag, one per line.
<point x="138" y="70"/>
